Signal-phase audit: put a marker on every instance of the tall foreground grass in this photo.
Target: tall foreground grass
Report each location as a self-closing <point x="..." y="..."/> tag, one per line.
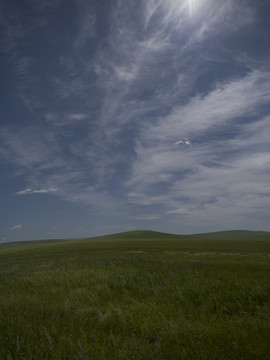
<point x="135" y="299"/>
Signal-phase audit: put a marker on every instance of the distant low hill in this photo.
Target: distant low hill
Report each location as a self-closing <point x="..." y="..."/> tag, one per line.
<point x="144" y="235"/>
<point x="138" y="234"/>
<point x="30" y="242"/>
<point x="219" y="235"/>
<point x="235" y="234"/>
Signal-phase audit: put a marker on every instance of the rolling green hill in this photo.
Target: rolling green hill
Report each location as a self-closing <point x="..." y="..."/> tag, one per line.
<point x="154" y="235"/>
<point x="141" y="235"/>
<point x="225" y="241"/>
<point x="138" y="235"/>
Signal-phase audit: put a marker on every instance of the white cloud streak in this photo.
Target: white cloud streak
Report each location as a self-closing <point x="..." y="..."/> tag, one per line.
<point x="15" y="227"/>
<point x="178" y="211"/>
<point x="213" y="169"/>
<point x="146" y="217"/>
<point x="29" y="191"/>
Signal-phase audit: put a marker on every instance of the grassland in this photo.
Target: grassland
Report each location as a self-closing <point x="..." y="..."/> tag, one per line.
<point x="139" y="295"/>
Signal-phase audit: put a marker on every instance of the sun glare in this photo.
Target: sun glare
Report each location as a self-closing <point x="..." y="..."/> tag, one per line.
<point x="190" y="5"/>
<point x="194" y="6"/>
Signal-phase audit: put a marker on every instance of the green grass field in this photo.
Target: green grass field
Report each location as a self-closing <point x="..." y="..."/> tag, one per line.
<point x="138" y="295"/>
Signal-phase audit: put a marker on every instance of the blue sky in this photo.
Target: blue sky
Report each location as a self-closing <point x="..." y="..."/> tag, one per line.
<point x="120" y="115"/>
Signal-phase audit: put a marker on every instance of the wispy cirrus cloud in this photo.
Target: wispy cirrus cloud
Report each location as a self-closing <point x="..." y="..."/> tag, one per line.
<point x="139" y="107"/>
<point x="15" y="227"/>
<point x="132" y="67"/>
<point x="241" y="97"/>
<point x="229" y="153"/>
<point x="29" y="191"/>
<point x="178" y="211"/>
<point x="146" y="217"/>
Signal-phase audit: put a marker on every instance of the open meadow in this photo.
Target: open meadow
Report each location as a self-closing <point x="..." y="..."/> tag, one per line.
<point x="138" y="295"/>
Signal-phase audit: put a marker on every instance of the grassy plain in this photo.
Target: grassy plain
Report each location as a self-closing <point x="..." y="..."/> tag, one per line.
<point x="139" y="295"/>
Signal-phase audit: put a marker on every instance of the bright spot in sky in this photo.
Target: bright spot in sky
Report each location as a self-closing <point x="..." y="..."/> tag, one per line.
<point x="194" y="5"/>
<point x="190" y="4"/>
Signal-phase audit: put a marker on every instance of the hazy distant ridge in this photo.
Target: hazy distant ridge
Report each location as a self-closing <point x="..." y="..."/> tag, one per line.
<point x="156" y="235"/>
